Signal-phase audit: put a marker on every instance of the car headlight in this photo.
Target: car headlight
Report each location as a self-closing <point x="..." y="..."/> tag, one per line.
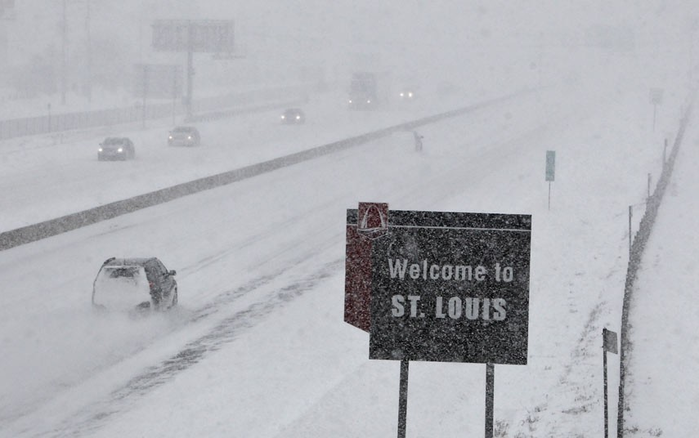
<point x="402" y="94"/>
<point x="283" y="117"/>
<point x="410" y="94"/>
<point x="350" y="101"/>
<point x="170" y="138"/>
<point x="368" y="101"/>
<point x="99" y="150"/>
<point x="298" y="117"/>
<point x="120" y="150"/>
<point x="189" y="137"/>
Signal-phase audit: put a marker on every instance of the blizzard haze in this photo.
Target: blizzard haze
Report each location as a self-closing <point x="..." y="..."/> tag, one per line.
<point x="278" y="41"/>
<point x="257" y="346"/>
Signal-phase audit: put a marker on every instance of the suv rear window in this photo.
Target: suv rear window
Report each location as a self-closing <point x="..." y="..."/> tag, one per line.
<point x="121" y="287"/>
<point x="126" y="271"/>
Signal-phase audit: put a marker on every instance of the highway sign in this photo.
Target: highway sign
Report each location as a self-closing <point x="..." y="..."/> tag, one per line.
<point x="656" y="96"/>
<point x="213" y="36"/>
<point x="550" y="165"/>
<point x="442" y="286"/>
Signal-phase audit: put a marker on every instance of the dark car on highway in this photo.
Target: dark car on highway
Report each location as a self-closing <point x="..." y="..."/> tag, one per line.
<point x="116" y="148"/>
<point x="184" y="136"/>
<point x="293" y="116"/>
<point x="134" y="284"/>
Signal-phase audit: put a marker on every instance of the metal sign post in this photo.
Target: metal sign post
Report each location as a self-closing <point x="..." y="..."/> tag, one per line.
<point x="489" y="399"/>
<point x="550" y="171"/>
<point x="403" y="398"/>
<point x="609" y="344"/>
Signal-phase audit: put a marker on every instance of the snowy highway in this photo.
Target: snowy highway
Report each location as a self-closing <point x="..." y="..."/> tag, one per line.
<point x="254" y="230"/>
<point x="73" y="180"/>
<point x="258" y="346"/>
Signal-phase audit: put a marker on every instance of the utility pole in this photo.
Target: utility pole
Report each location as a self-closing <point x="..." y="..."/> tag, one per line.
<point x="145" y="91"/>
<point x="88" y="49"/>
<point x="63" y="53"/>
<point x="190" y="68"/>
<point x="4" y="56"/>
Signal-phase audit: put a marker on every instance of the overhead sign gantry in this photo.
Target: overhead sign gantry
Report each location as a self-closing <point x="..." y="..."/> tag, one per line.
<point x="190" y="36"/>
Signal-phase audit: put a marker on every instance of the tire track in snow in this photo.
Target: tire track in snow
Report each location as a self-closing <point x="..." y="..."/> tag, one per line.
<point x="227" y="330"/>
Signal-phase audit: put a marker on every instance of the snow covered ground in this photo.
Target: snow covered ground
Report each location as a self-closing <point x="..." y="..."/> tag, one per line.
<point x="258" y="346"/>
<point x="663" y="362"/>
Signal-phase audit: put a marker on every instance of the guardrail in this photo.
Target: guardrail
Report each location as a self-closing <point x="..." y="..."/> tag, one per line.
<point x="638" y="246"/>
<point x="107" y="117"/>
<point x="230" y="112"/>
<point x="52" y="227"/>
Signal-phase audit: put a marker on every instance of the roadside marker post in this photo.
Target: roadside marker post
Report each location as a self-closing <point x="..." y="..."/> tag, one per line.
<point x="609" y="345"/>
<point x="630" y="229"/>
<point x="550" y="171"/>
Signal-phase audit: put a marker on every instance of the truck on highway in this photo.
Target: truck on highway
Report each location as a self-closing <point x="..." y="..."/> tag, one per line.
<point x="369" y="90"/>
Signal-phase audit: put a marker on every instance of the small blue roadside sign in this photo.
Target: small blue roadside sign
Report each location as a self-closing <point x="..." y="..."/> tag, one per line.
<point x="656" y="96"/>
<point x="550" y="165"/>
